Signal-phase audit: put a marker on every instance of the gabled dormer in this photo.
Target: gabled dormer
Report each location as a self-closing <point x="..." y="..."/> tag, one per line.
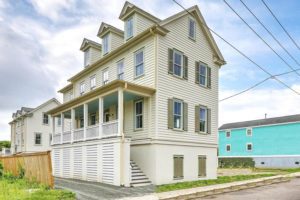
<point x="111" y="36"/>
<point x="92" y="51"/>
<point x="136" y="20"/>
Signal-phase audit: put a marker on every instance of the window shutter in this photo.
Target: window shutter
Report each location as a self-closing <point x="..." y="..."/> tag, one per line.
<point x="170" y="114"/>
<point x="185" y="116"/>
<point x="197" y="72"/>
<point x="185" y="67"/>
<point x="202" y="166"/>
<point x="208" y="77"/>
<point x="197" y="119"/>
<point x="209" y="121"/>
<point x="170" y="68"/>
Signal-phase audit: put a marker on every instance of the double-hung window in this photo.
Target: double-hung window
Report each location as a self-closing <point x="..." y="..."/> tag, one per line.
<point x="38" y="139"/>
<point x="203" y="74"/>
<point x="105" y="44"/>
<point x="178" y="110"/>
<point x="192" y="29"/>
<point x="105" y="76"/>
<point x="249" y="131"/>
<point x="59" y="121"/>
<point x="87" y="57"/>
<point x="178" y="63"/>
<point x="249" y="147"/>
<point x="139" y="114"/>
<point x="139" y="62"/>
<point x="228" y="147"/>
<point x="45" y="118"/>
<point x="82" y="88"/>
<point x="93" y="82"/>
<point x="129" y="28"/>
<point x="228" y="134"/>
<point x="120" y="66"/>
<point x="203" y="119"/>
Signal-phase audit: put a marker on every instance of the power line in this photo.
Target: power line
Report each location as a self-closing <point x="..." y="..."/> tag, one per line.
<point x="283" y="60"/>
<point x="240" y="52"/>
<point x="281" y="24"/>
<point x="257" y="84"/>
<point x="292" y="57"/>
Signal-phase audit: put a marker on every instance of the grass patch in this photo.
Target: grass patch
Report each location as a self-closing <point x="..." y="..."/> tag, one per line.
<point x="15" y="189"/>
<point x="201" y="183"/>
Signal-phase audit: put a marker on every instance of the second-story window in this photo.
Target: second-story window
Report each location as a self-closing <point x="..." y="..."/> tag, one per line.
<point x="38" y="139"/>
<point x="105" y="76"/>
<point x="105" y="44"/>
<point x="139" y="62"/>
<point x="93" y="82"/>
<point x="82" y="88"/>
<point x="120" y="66"/>
<point x="203" y="74"/>
<point x="87" y="57"/>
<point x="177" y="114"/>
<point x="129" y="28"/>
<point x="192" y="29"/>
<point x="45" y="118"/>
<point x="178" y="63"/>
<point x="139" y="114"/>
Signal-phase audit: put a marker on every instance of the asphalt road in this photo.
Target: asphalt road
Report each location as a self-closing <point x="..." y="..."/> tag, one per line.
<point x="282" y="191"/>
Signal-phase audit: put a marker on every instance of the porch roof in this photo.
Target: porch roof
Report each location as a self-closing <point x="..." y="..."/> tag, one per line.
<point x="103" y="89"/>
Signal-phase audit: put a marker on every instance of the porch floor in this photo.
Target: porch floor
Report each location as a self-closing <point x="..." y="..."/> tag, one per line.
<point x="93" y="191"/>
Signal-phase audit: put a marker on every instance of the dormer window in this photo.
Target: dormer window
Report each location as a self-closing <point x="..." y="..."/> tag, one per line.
<point x="87" y="57"/>
<point x="105" y="44"/>
<point x="129" y="28"/>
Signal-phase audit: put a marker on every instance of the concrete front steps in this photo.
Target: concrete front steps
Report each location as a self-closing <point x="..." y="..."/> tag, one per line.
<point x="138" y="178"/>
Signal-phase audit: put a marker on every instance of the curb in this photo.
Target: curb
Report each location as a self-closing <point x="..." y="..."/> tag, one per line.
<point x="195" y="193"/>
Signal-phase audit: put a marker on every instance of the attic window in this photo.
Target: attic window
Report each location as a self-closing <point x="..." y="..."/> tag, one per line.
<point x="129" y="28"/>
<point x="192" y="29"/>
<point x="87" y="57"/>
<point x="105" y="44"/>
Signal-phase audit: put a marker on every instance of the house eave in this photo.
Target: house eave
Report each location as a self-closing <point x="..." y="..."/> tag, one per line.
<point x="66" y="88"/>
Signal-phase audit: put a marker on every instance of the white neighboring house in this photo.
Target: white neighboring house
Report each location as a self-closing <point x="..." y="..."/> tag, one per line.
<point x="145" y="106"/>
<point x="31" y="128"/>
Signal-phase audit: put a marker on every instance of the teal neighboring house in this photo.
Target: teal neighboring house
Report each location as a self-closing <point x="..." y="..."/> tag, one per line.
<point x="271" y="142"/>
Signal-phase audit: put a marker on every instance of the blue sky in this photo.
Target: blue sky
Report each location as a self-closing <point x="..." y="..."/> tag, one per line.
<point x="40" y="43"/>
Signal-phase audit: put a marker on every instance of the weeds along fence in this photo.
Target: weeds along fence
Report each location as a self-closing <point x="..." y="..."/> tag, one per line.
<point x="35" y="166"/>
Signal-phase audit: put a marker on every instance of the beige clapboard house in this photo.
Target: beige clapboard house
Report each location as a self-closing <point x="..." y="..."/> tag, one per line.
<point x="31" y="128"/>
<point x="144" y="109"/>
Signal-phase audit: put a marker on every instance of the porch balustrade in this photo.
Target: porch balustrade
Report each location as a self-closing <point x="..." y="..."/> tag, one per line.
<point x="110" y="128"/>
<point x="67" y="137"/>
<point x="78" y="134"/>
<point x="92" y="132"/>
<point x="56" y="138"/>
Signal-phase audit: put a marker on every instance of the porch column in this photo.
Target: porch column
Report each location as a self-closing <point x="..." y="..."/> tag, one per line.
<point x="53" y="129"/>
<point x="85" y="120"/>
<point x="120" y="111"/>
<point x="62" y="127"/>
<point x="100" y="116"/>
<point x="72" y="127"/>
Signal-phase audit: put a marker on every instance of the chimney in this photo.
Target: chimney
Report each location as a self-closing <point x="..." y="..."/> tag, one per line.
<point x="265" y="115"/>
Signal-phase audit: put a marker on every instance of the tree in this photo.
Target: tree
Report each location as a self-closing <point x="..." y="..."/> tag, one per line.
<point x="4" y="144"/>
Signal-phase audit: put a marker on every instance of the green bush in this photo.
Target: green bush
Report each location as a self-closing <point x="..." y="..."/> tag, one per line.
<point x="236" y="163"/>
<point x="1" y="170"/>
<point x="21" y="172"/>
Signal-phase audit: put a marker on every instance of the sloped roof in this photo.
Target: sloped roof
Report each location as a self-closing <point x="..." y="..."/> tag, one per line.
<point x="261" y="122"/>
<point x="129" y="8"/>
<point x="26" y="109"/>
<point x="87" y="43"/>
<point x="104" y="27"/>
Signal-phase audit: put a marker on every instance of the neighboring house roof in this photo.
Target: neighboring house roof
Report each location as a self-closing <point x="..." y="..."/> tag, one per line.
<point x="129" y="8"/>
<point x="32" y="110"/>
<point x="105" y="28"/>
<point x="261" y="122"/>
<point x="218" y="57"/>
<point x="86" y="43"/>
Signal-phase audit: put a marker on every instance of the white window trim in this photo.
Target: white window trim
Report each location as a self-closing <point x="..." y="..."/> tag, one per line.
<point x="181" y="70"/>
<point x="192" y="19"/>
<point x="205" y="128"/>
<point x="228" y="131"/>
<point x="181" y="116"/>
<point x="249" y="135"/>
<point x="247" y="146"/>
<point x="135" y="64"/>
<point x="108" y="44"/>
<point x="206" y="67"/>
<point x="135" y="115"/>
<point x="229" y="147"/>
<point x="40" y="140"/>
<point x="91" y="78"/>
<point x="44" y="118"/>
<point x="105" y="81"/>
<point x="87" y="59"/>
<point x="118" y="74"/>
<point x="126" y="34"/>
<point x="82" y="86"/>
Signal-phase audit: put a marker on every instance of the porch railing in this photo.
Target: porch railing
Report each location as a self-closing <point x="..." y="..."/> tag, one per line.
<point x="110" y="128"/>
<point x="78" y="134"/>
<point x="92" y="132"/>
<point x="67" y="137"/>
<point x="56" y="138"/>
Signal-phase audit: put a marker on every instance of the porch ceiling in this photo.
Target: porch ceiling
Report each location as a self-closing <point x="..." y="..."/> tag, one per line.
<point x="129" y="90"/>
